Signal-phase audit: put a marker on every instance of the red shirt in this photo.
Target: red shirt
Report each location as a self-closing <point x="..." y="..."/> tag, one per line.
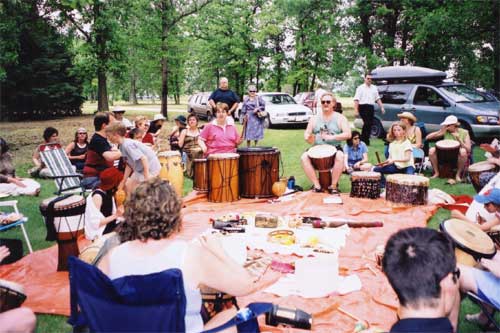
<point x="148" y="138"/>
<point x="220" y="139"/>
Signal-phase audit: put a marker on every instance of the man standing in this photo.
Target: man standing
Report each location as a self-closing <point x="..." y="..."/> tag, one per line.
<point x="421" y="267"/>
<point x="328" y="127"/>
<point x="364" y="99"/>
<point x="225" y="95"/>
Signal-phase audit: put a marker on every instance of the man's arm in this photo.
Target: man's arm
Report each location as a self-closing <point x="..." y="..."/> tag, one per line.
<point x="436" y="135"/>
<point x="379" y="102"/>
<point x="111" y="155"/>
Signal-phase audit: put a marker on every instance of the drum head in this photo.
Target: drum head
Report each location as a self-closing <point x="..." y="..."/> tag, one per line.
<point x="16" y="287"/>
<point x="255" y="150"/>
<point x="71" y="201"/>
<point x="321" y="151"/>
<point x="169" y="153"/>
<point x="223" y="156"/>
<point x="199" y="160"/>
<point x="408" y="179"/>
<point x="469" y="238"/>
<point x="365" y="175"/>
<point x="481" y="166"/>
<point x="447" y="144"/>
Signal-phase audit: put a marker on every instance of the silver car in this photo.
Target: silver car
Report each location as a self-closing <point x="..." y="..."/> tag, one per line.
<point x="198" y="105"/>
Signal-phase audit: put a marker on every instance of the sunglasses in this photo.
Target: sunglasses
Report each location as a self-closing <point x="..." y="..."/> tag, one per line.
<point x="326" y="102"/>
<point x="252" y="91"/>
<point x="369" y="78"/>
<point x="82" y="133"/>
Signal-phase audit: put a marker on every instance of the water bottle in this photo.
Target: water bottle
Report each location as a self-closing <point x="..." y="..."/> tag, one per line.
<point x="291" y="182"/>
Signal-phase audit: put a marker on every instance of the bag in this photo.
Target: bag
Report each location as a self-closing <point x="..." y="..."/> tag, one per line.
<point x="262" y="114"/>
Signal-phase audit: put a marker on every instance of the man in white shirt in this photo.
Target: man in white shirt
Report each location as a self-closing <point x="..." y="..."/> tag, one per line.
<point x="364" y="99"/>
<point x="118" y="111"/>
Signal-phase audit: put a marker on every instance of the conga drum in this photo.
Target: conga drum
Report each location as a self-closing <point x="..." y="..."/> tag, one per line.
<point x="258" y="171"/>
<point x="447" y="155"/>
<point x="476" y="169"/>
<point x="322" y="158"/>
<point x="365" y="184"/>
<point x="406" y="190"/>
<point x="200" y="179"/>
<point x="68" y="217"/>
<point x="223" y="183"/>
<point x="12" y="295"/>
<point x="471" y="243"/>
<point x="171" y="169"/>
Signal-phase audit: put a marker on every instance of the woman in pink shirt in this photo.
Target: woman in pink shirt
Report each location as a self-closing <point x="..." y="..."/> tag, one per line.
<point x="218" y="136"/>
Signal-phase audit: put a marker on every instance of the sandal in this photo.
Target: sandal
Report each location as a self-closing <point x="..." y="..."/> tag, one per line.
<point x="333" y="191"/>
<point x="316" y="190"/>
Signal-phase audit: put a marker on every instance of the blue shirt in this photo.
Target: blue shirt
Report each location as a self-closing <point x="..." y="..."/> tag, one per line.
<point x="224" y="96"/>
<point x="422" y="325"/>
<point x="355" y="155"/>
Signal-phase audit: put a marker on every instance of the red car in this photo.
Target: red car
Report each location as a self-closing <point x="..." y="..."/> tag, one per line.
<point x="307" y="99"/>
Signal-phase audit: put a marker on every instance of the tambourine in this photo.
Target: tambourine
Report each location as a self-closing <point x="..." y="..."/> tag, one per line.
<point x="283" y="237"/>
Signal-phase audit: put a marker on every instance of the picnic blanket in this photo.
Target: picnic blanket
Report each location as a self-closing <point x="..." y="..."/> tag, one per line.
<point x="48" y="290"/>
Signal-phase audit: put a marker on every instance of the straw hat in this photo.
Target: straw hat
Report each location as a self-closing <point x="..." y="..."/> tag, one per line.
<point x="407" y="115"/>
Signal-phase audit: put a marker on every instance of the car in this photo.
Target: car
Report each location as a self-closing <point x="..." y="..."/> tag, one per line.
<point x="282" y="109"/>
<point x="423" y="92"/>
<point x="198" y="105"/>
<point x="305" y="98"/>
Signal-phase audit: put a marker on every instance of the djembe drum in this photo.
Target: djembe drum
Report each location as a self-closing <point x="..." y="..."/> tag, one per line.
<point x="200" y="179"/>
<point x="223" y="181"/>
<point x="258" y="170"/>
<point x="214" y="301"/>
<point x="68" y="215"/>
<point x="406" y="190"/>
<point x="322" y="159"/>
<point x="471" y="243"/>
<point x="365" y="184"/>
<point x="12" y="295"/>
<point x="171" y="169"/>
<point x="447" y="155"/>
<point x="476" y="169"/>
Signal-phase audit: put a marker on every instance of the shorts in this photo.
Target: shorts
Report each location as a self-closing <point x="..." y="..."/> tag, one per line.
<point x="488" y="287"/>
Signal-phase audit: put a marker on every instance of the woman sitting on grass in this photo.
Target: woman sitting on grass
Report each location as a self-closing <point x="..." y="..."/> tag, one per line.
<point x="400" y="153"/>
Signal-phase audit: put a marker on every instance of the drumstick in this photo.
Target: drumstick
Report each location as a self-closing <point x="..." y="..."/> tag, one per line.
<point x="350" y="224"/>
<point x="378" y="157"/>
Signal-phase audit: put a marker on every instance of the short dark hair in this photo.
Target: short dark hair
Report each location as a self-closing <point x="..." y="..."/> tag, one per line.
<point x="101" y="118"/>
<point x="353" y="134"/>
<point x="415" y="261"/>
<point x="134" y="132"/>
<point x="48" y="132"/>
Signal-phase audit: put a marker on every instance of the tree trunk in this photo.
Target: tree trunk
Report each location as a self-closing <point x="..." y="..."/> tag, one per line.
<point x="164" y="64"/>
<point x="364" y="17"/>
<point x="102" y="90"/>
<point x="133" y="90"/>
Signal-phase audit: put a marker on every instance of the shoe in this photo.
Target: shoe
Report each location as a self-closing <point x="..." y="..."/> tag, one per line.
<point x="316" y="190"/>
<point x="333" y="191"/>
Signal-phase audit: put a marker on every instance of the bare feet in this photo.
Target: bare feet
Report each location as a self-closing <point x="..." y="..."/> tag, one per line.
<point x="451" y="181"/>
<point x="436" y="175"/>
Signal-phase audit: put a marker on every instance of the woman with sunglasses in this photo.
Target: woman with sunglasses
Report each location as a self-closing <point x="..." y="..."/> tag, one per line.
<point x="77" y="150"/>
<point x="254" y="125"/>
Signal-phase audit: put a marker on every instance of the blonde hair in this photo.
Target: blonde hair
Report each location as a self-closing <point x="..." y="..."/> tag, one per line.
<point x="139" y="120"/>
<point x="390" y="134"/>
<point x="222" y="107"/>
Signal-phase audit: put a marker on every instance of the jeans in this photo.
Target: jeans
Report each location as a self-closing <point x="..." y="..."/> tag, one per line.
<point x="392" y="169"/>
<point x="89" y="183"/>
<point x="366" y="112"/>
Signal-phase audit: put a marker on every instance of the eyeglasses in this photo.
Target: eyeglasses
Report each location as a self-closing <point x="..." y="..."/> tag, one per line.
<point x="456" y="274"/>
<point x="83" y="133"/>
<point x="254" y="91"/>
<point x="326" y="102"/>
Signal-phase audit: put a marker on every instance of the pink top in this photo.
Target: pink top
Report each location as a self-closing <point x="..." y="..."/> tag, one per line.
<point x="219" y="139"/>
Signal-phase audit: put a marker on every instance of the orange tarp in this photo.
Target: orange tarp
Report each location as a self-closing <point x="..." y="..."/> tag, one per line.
<point x="48" y="290"/>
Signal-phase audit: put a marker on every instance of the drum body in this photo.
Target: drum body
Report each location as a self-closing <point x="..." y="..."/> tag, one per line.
<point x="200" y="179"/>
<point x="223" y="183"/>
<point x="447" y="155"/>
<point x="171" y="169"/>
<point x="69" y="224"/>
<point x="476" y="169"/>
<point x="406" y="190"/>
<point x="495" y="237"/>
<point x="258" y="171"/>
<point x="322" y="159"/>
<point x="471" y="243"/>
<point x="11" y="295"/>
<point x="214" y="301"/>
<point x="365" y="184"/>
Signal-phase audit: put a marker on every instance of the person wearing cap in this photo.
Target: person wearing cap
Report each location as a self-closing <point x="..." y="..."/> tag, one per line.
<point x="491" y="202"/>
<point x="118" y="112"/>
<point x="156" y="124"/>
<point x="77" y="149"/>
<point x="364" y="99"/>
<point x="225" y="95"/>
<point x="450" y="130"/>
<point x="141" y="159"/>
<point x="180" y="124"/>
<point x="101" y="212"/>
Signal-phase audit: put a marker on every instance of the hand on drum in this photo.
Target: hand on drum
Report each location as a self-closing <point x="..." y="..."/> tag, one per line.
<point x="493" y="265"/>
<point x="4" y="252"/>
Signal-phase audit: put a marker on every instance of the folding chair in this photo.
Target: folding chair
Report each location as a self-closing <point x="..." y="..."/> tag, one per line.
<point x="486" y="308"/>
<point x="61" y="169"/>
<point x="20" y="223"/>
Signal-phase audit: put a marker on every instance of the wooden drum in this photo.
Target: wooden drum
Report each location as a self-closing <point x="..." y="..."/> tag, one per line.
<point x="471" y="242"/>
<point x="259" y="170"/>
<point x="365" y="184"/>
<point x="12" y="295"/>
<point x="200" y="179"/>
<point x="406" y="190"/>
<point x="447" y="155"/>
<point x="322" y="158"/>
<point x="68" y="217"/>
<point x="223" y="177"/>
<point x="476" y="169"/>
<point x="171" y="169"/>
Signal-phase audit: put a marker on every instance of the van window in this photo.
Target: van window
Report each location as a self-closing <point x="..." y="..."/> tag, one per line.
<point x="426" y="96"/>
<point x="394" y="94"/>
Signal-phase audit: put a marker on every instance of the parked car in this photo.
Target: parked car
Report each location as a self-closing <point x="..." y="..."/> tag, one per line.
<point x="198" y="105"/>
<point x="282" y="109"/>
<point x="305" y="98"/>
<point x="423" y="92"/>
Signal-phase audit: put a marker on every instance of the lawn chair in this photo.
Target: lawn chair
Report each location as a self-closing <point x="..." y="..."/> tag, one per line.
<point x="61" y="169"/>
<point x="20" y="223"/>
<point x="486" y="308"/>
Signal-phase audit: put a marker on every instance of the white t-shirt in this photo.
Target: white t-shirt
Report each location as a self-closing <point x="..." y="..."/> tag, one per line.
<point x="366" y="94"/>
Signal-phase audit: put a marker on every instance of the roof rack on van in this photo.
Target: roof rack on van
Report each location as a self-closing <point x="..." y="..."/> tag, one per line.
<point x="407" y="74"/>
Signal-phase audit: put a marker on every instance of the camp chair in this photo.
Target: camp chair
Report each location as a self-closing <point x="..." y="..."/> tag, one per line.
<point x="486" y="308"/>
<point x="61" y="169"/>
<point x="20" y="223"/>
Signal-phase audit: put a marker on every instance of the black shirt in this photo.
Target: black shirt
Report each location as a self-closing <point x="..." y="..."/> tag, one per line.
<point x="422" y="325"/>
<point x="225" y="96"/>
<point x="99" y="144"/>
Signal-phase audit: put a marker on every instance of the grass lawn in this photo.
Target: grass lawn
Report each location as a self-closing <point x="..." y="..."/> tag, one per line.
<point x="23" y="138"/>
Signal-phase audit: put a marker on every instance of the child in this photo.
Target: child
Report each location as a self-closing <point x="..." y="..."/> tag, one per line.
<point x="491" y="201"/>
<point x="400" y="153"/>
<point x="356" y="154"/>
<point x="140" y="158"/>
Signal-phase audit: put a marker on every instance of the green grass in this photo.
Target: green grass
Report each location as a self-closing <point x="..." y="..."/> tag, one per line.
<point x="290" y="142"/>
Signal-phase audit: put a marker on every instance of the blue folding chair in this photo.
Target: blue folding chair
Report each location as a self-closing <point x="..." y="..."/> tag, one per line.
<point x="20" y="223"/>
